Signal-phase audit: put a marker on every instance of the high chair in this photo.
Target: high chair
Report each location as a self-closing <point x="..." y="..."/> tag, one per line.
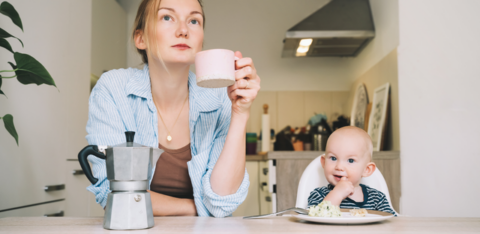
<point x="314" y="177"/>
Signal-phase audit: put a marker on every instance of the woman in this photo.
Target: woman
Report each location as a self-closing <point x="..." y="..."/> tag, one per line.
<point x="202" y="171"/>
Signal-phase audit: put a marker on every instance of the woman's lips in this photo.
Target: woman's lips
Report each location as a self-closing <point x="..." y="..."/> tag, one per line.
<point x="181" y="46"/>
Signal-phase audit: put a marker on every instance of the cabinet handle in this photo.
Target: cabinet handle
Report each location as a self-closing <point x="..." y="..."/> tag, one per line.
<point x="49" y="188"/>
<point x="265" y="171"/>
<point x="263" y="185"/>
<point x="78" y="172"/>
<point x="58" y="214"/>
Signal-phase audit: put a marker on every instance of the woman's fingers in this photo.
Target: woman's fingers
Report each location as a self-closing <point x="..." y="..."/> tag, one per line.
<point x="238" y="54"/>
<point x="245" y="95"/>
<point x="246" y="72"/>
<point x="244" y="84"/>
<point x="243" y="62"/>
<point x="241" y="85"/>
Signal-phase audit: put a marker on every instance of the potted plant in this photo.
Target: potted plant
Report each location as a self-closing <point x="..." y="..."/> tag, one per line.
<point x="27" y="70"/>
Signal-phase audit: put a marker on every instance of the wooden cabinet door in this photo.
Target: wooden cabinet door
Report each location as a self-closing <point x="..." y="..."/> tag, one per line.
<point x="51" y="209"/>
<point x="79" y="201"/>
<point x="251" y="204"/>
<point x="26" y="175"/>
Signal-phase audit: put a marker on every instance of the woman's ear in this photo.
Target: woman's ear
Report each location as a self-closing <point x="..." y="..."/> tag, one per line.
<point x="139" y="42"/>
<point x="369" y="169"/>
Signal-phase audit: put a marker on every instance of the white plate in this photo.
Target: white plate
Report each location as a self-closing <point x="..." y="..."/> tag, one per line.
<point x="345" y="219"/>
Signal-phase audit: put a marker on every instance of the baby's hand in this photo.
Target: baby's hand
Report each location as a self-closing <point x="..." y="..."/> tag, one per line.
<point x="344" y="188"/>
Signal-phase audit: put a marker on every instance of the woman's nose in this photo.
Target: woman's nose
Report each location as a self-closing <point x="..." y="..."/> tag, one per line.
<point x="182" y="30"/>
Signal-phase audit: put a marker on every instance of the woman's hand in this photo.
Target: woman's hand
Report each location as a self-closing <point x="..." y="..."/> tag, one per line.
<point x="246" y="86"/>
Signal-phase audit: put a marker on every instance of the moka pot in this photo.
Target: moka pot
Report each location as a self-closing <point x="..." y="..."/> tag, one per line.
<point x="128" y="168"/>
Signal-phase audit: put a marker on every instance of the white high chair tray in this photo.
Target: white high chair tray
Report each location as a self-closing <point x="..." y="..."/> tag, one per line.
<point x="371" y="217"/>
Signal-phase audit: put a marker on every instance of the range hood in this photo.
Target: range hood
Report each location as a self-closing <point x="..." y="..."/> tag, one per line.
<point x="340" y="28"/>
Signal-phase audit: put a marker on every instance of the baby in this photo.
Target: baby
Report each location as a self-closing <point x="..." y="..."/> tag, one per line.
<point x="347" y="159"/>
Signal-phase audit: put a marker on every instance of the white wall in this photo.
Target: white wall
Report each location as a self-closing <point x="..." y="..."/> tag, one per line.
<point x="131" y="7"/>
<point x="50" y="122"/>
<point x="108" y="36"/>
<point x="264" y="24"/>
<point x="257" y="29"/>
<point x="438" y="62"/>
<point x="377" y="64"/>
<point x="386" y="70"/>
<point x="385" y="17"/>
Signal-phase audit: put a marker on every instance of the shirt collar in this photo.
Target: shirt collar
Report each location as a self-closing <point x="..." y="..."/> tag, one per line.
<point x="203" y="99"/>
<point x="139" y="83"/>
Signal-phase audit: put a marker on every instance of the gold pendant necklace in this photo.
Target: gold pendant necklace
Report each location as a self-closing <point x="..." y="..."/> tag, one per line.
<point x="169" y="137"/>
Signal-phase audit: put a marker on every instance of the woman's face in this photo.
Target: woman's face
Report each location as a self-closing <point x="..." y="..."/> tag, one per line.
<point x="179" y="31"/>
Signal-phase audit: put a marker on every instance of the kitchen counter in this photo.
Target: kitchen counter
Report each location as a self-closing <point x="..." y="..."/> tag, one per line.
<point x="398" y="225"/>
<point x="377" y="155"/>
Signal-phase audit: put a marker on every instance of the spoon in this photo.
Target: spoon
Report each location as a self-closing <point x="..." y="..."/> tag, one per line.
<point x="296" y="209"/>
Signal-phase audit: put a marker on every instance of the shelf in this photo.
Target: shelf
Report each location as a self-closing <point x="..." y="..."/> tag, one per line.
<point x="256" y="157"/>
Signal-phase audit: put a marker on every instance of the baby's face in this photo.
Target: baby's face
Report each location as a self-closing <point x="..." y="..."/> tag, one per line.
<point x="347" y="155"/>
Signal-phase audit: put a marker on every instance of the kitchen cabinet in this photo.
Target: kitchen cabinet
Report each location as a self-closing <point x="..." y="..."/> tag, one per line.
<point x="29" y="180"/>
<point x="258" y="200"/>
<point x="54" y="209"/>
<point x="251" y="205"/>
<point x="80" y="202"/>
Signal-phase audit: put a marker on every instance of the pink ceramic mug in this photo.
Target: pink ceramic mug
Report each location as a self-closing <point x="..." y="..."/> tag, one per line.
<point x="215" y="68"/>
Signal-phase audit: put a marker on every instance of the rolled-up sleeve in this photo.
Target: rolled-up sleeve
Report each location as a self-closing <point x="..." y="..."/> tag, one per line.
<point x="222" y="206"/>
<point x="104" y="127"/>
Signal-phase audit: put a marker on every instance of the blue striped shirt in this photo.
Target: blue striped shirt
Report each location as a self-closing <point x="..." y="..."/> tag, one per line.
<point x="372" y="199"/>
<point x="122" y="101"/>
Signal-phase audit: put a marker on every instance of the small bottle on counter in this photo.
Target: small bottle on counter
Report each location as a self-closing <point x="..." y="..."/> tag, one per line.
<point x="251" y="143"/>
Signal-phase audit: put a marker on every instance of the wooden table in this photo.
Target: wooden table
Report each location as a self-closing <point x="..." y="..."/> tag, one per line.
<point x="396" y="225"/>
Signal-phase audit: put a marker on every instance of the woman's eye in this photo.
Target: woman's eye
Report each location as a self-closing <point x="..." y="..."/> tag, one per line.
<point x="333" y="158"/>
<point x="166" y="18"/>
<point x="194" y="21"/>
<point x="351" y="160"/>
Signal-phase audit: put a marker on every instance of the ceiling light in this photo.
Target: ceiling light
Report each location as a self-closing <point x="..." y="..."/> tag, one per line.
<point x="302" y="49"/>
<point x="306" y="42"/>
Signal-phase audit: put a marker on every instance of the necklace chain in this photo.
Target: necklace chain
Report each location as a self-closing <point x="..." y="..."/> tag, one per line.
<point x="169" y="137"/>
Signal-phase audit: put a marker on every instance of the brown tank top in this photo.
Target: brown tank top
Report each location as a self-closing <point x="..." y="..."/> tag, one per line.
<point x="171" y="173"/>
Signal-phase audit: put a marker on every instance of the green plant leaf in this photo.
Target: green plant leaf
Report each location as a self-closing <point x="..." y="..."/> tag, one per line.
<point x="5" y="34"/>
<point x="30" y="71"/>
<point x="4" y="43"/>
<point x="8" y="122"/>
<point x="12" y="65"/>
<point x="8" y="10"/>
<point x="1" y="92"/>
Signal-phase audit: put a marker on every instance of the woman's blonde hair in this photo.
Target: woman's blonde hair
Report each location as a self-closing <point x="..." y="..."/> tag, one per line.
<point x="146" y="22"/>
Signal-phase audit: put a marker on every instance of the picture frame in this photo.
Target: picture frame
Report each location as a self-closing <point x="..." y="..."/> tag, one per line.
<point x="378" y="116"/>
<point x="359" y="108"/>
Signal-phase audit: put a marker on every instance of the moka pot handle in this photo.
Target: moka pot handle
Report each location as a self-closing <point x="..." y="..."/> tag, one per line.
<point x="82" y="159"/>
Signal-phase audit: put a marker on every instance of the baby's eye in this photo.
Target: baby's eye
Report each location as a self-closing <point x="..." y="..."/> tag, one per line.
<point x="194" y="21"/>
<point x="351" y="160"/>
<point x="167" y="18"/>
<point x="333" y="158"/>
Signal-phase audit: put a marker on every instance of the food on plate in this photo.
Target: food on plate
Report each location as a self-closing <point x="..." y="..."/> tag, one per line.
<point x="324" y="209"/>
<point x="358" y="212"/>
